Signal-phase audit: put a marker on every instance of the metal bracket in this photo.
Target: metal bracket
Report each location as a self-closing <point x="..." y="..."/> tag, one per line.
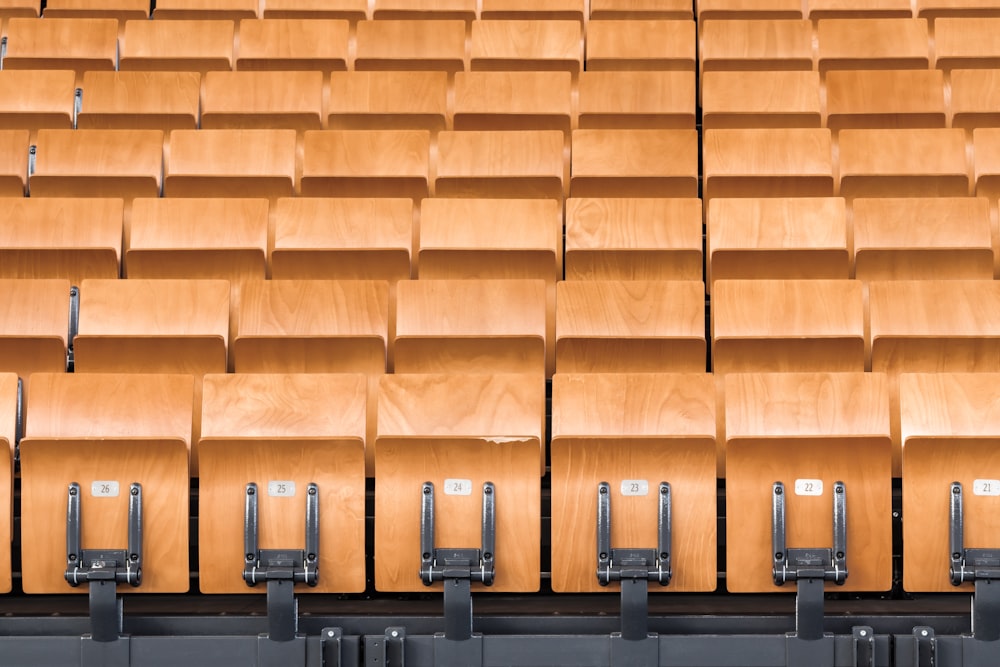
<point x="634" y="568"/>
<point x="74" y="327"/>
<point x="77" y="104"/>
<point x="104" y="568"/>
<point x="18" y="424"/>
<point x="330" y="646"/>
<point x="281" y="568"/>
<point x="981" y="566"/>
<point x="864" y="646"/>
<point x="926" y="646"/>
<point x="809" y="567"/>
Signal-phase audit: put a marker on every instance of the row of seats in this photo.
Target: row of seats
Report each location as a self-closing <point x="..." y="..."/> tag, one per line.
<point x="823" y="9"/>
<point x="633" y="432"/>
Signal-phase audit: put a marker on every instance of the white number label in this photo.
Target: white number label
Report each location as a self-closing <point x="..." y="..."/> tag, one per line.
<point x="281" y="489"/>
<point x="635" y="487"/>
<point x="986" y="487"/>
<point x="102" y="489"/>
<point x="458" y="487"/>
<point x="809" y="487"/>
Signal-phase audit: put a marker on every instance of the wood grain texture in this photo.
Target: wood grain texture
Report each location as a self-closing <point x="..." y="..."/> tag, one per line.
<point x="639" y="100"/>
<point x="527" y="45"/>
<point x="295" y="42"/>
<point x="248" y="99"/>
<point x="122" y="10"/>
<point x="35" y="317"/>
<point x="183" y="44"/>
<point x="71" y="239"/>
<point x="635" y="9"/>
<point x="216" y="9"/>
<point x="644" y="44"/>
<point x="34" y="99"/>
<point x="363" y="163"/>
<point x="760" y="44"/>
<point x="388" y="100"/>
<point x="627" y="163"/>
<point x="513" y="101"/>
<point x="986" y="147"/>
<point x="776" y="425"/>
<point x="140" y="100"/>
<point x="885" y="99"/>
<point x="354" y="10"/>
<point x="872" y="43"/>
<point x="761" y="99"/>
<point x="975" y="98"/>
<point x="521" y="164"/>
<point x="909" y="163"/>
<point x="846" y="9"/>
<point x="757" y="10"/>
<point x="411" y="45"/>
<point x="967" y="42"/>
<point x="572" y="10"/>
<point x="464" y="10"/>
<point x="934" y="9"/>
<point x="8" y="408"/>
<point x="13" y="166"/>
<point x="230" y="163"/>
<point x="73" y="44"/>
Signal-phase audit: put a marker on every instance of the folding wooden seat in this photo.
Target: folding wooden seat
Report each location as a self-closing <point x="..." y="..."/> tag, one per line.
<point x="98" y="163"/>
<point x="513" y="101"/>
<point x="300" y="439"/>
<point x="263" y="100"/>
<point x="640" y="9"/>
<point x="986" y="146"/>
<point x="84" y="443"/>
<point x="14" y="146"/>
<point x="935" y="9"/>
<point x="366" y="163"/>
<point x="634" y="163"/>
<point x="199" y="9"/>
<point x="388" y="101"/>
<point x="633" y="239"/>
<point x="950" y="434"/>
<point x="856" y="9"/>
<point x="459" y="433"/>
<point x="527" y="45"/>
<point x="652" y="44"/>
<point x="294" y="43"/>
<point x="526" y="10"/>
<point x="72" y="239"/>
<point x="230" y="163"/>
<point x="183" y="45"/>
<point x="761" y="99"/>
<point x="975" y="98"/>
<point x="787" y="325"/>
<point x="352" y="10"/>
<point x="740" y="10"/>
<point x="967" y="43"/>
<point x="410" y="45"/>
<point x="885" y="99"/>
<point x="20" y="8"/>
<point x="33" y="99"/>
<point x="8" y="433"/>
<point x="121" y="10"/>
<point x="626" y="326"/>
<point x="612" y="429"/>
<point x="924" y="238"/>
<point x="768" y="163"/>
<point x="520" y="164"/>
<point x="872" y="43"/>
<point x="139" y="100"/>
<point x="762" y="44"/>
<point x="777" y="239"/>
<point x="470" y="326"/>
<point x="906" y="163"/>
<point x="462" y="10"/>
<point x="824" y="437"/>
<point x="638" y="100"/>
<point x="342" y="239"/>
<point x="34" y="326"/>
<point x="64" y="44"/>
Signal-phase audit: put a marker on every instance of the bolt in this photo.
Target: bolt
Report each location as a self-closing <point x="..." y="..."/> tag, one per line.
<point x="778" y="491"/>
<point x="251" y="491"/>
<point x="394" y="633"/>
<point x="863" y="633"/>
<point x="923" y="633"/>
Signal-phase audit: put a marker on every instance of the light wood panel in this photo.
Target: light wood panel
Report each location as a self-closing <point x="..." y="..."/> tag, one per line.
<point x="464" y="10"/>
<point x="648" y="44"/>
<point x="513" y="101"/>
<point x="975" y="98"/>
<point x="411" y="45"/>
<point x="13" y="162"/>
<point x="757" y="10"/>
<point x="522" y="164"/>
<point x="353" y="10"/>
<point x="35" y="317"/>
<point x="198" y="9"/>
<point x="181" y="45"/>
<point x="140" y="100"/>
<point x="263" y="100"/>
<point x="121" y="10"/>
<point x="295" y="43"/>
<point x="68" y="44"/>
<point x="761" y="44"/>
<point x="388" y="101"/>
<point x="846" y="9"/>
<point x="366" y="163"/>
<point x="634" y="163"/>
<point x="8" y="427"/>
<point x="32" y="99"/>
<point x="573" y="10"/>
<point x="761" y="99"/>
<point x="637" y="9"/>
<point x="934" y="9"/>
<point x="526" y="45"/>
<point x="908" y="163"/>
<point x="637" y="100"/>
<point x="967" y="43"/>
<point x="872" y="43"/>
<point x="885" y="99"/>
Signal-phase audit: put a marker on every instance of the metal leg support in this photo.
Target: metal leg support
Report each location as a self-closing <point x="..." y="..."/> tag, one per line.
<point x="809" y="609"/>
<point x="986" y="610"/>
<point x="282" y="610"/>
<point x="457" y="609"/>
<point x="105" y="611"/>
<point x="635" y="609"/>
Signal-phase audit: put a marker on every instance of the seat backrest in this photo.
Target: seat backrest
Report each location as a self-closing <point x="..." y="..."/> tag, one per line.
<point x="263" y="100"/>
<point x="140" y="100"/>
<point x="35" y="325"/>
<point x="294" y="43"/>
<point x="634" y="163"/>
<point x="366" y="163"/>
<point x="190" y="45"/>
<point x="642" y="44"/>
<point x="388" y="101"/>
<point x="8" y="432"/>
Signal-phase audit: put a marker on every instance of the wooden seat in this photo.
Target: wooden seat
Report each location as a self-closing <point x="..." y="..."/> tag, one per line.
<point x="293" y="43"/>
<point x="98" y="163"/>
<point x="457" y="432"/>
<point x="32" y="99"/>
<point x="634" y="163"/>
<point x="120" y="10"/>
<point x="907" y="163"/>
<point x="856" y="9"/>
<point x="935" y="9"/>
<point x="34" y="325"/>
<point x="640" y="9"/>
<point x="756" y="10"/>
<point x="471" y="326"/>
<point x="527" y="45"/>
<point x="612" y="428"/>
<point x="926" y="238"/>
<point x="885" y="99"/>
<point x="967" y="43"/>
<point x="787" y="325"/>
<point x="263" y="100"/>
<point x="975" y="98"/>
<point x="633" y="239"/>
<point x="777" y="239"/>
<point x="62" y="44"/>
<point x="513" y="101"/>
<point x="986" y="146"/>
<point x="768" y="163"/>
<point x="8" y="431"/>
<point x="140" y="100"/>
<point x="526" y="10"/>
<point x="872" y="43"/>
<point x="625" y="326"/>
<point x="810" y="431"/>
<point x="761" y="99"/>
<point x="366" y="163"/>
<point x="14" y="145"/>
<point x="388" y="101"/>
<point x="20" y="8"/>
<point x="82" y="428"/>
<point x="72" y="239"/>
<point x="411" y="45"/>
<point x="521" y="164"/>
<point x="650" y="44"/>
<point x="463" y="10"/>
<point x="183" y="45"/>
<point x="351" y="10"/>
<point x="230" y="163"/>
<point x="762" y="44"/>
<point x="637" y="100"/>
<point x="199" y="9"/>
<point x="950" y="434"/>
<point x="283" y="433"/>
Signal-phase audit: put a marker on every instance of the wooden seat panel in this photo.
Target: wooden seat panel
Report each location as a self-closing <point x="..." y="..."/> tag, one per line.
<point x="975" y="98"/>
<point x="411" y="45"/>
<point x="756" y="10"/>
<point x="463" y="10"/>
<point x="521" y="164"/>
<point x="636" y="100"/>
<point x="649" y="44"/>
<point x="35" y="326"/>
<point x="263" y="100"/>
<point x="885" y="99"/>
<point x="78" y="44"/>
<point x="366" y="163"/>
<point x="388" y="101"/>
<point x="872" y="43"/>
<point x="640" y="9"/>
<point x="526" y="45"/>
<point x="8" y="429"/>
<point x="634" y="163"/>
<point x="526" y="10"/>
<point x="352" y="10"/>
<point x="294" y="43"/>
<point x="513" y="101"/>
<point x="967" y="42"/>
<point x="197" y="9"/>
<point x="140" y="100"/>
<point x="761" y="99"/>
<point x="196" y="45"/>
<point x="908" y="163"/>
<point x="846" y="9"/>
<point x="32" y="99"/>
<point x="762" y="44"/>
